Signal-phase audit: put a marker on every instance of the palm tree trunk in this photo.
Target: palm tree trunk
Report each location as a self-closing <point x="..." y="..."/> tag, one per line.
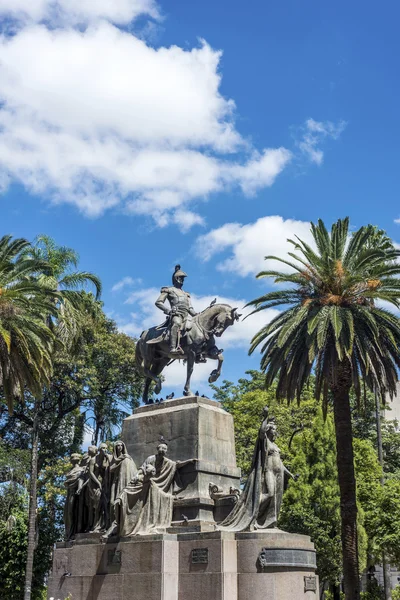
<point x="347" y="481"/>
<point x="32" y="509"/>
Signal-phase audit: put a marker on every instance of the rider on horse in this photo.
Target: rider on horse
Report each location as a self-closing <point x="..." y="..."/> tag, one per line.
<point x="180" y="308"/>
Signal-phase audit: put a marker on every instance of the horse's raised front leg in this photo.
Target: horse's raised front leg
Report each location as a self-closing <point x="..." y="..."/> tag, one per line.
<point x="216" y="372"/>
<point x="189" y="370"/>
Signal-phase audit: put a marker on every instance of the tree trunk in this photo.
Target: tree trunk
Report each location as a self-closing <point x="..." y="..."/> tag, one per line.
<point x="347" y="482"/>
<point x="385" y="566"/>
<point x="32" y="509"/>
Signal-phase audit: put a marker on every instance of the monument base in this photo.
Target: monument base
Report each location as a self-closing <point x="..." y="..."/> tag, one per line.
<point x="268" y="565"/>
<point x="193" y="427"/>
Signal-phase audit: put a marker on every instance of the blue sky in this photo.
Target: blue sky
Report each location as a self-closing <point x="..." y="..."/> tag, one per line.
<point x="144" y="134"/>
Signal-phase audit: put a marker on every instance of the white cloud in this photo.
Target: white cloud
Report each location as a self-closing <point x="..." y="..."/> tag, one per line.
<point x="249" y="244"/>
<point x="99" y="119"/>
<point x="175" y="375"/>
<point x="124" y="283"/>
<point x="77" y="12"/>
<point x="239" y="335"/>
<point x="314" y="132"/>
<point x="87" y="439"/>
<point x="397" y="221"/>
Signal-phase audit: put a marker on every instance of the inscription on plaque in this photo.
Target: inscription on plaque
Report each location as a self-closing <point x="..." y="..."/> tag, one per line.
<point x="200" y="555"/>
<point x="310" y="584"/>
<point x="114" y="557"/>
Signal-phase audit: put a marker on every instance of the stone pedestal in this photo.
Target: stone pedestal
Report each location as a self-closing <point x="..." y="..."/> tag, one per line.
<point x="193" y="427"/>
<point x="141" y="569"/>
<point x="272" y="565"/>
<point x="193" y="560"/>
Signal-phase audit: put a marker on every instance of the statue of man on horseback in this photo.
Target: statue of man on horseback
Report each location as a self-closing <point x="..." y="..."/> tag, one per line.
<point x="184" y="335"/>
<point x="180" y="308"/>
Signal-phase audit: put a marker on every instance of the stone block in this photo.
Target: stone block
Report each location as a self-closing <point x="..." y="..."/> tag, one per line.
<point x="201" y="586"/>
<point x="79" y="587"/>
<point x="142" y="557"/>
<point x="187" y="555"/>
<point x="105" y="587"/>
<point x="84" y="560"/>
<point x="194" y="428"/>
<point x="147" y="586"/>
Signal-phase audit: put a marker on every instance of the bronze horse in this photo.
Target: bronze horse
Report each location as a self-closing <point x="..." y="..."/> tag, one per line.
<point x="197" y="344"/>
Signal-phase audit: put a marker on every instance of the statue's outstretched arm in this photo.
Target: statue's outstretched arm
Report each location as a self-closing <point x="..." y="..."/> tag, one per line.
<point x="288" y="474"/>
<point x="182" y="463"/>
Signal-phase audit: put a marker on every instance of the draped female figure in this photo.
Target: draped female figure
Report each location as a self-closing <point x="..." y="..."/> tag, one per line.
<point x="260" y="502"/>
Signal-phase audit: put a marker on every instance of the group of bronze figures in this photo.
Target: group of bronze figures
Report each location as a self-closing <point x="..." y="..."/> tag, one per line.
<point x="108" y="494"/>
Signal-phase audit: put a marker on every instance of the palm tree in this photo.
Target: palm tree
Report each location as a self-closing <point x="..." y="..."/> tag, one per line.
<point x="61" y="275"/>
<point x="64" y="285"/>
<point x="336" y="327"/>
<point x="26" y="342"/>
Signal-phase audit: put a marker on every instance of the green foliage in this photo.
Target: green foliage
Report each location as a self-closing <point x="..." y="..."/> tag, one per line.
<point x="60" y="275"/>
<point x="384" y="521"/>
<point x="26" y="340"/>
<point x="311" y="504"/>
<point x="329" y="595"/>
<point x="396" y="593"/>
<point x="13" y="563"/>
<point x="245" y="401"/>
<point x="391" y="447"/>
<point x="375" y="592"/>
<point x="333" y="315"/>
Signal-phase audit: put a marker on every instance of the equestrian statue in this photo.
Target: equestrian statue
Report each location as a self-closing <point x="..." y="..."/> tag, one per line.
<point x="184" y="335"/>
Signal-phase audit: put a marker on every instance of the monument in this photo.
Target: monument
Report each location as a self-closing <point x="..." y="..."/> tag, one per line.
<point x="178" y="526"/>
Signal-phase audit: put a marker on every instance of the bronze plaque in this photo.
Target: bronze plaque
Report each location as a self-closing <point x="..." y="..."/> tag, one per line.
<point x="310" y="583"/>
<point x="200" y="555"/>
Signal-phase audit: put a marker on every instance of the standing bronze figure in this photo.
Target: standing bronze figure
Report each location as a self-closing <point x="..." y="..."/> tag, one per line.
<point x="73" y="483"/>
<point x="259" y="505"/>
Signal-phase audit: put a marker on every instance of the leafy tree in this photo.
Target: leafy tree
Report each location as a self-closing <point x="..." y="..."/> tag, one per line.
<point x="13" y="563"/>
<point x="60" y="274"/>
<point x="57" y="277"/>
<point x="98" y="378"/>
<point x="334" y="328"/>
<point x="113" y="386"/>
<point x="311" y="505"/>
<point x="391" y="448"/>
<point x="384" y="521"/>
